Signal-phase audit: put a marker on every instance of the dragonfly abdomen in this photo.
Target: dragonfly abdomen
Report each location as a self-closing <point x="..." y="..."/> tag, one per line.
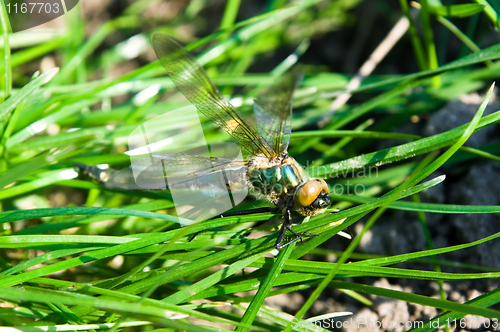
<point x="122" y="179"/>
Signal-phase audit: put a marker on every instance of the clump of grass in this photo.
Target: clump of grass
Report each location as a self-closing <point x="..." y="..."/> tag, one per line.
<point x="121" y="260"/>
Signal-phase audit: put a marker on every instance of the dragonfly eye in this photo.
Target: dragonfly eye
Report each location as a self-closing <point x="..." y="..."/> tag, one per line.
<point x="310" y="191"/>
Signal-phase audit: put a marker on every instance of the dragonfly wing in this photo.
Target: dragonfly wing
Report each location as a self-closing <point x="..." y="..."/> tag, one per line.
<point x="201" y="187"/>
<point x="273" y="111"/>
<point x="184" y="167"/>
<point x="150" y="172"/>
<point x="195" y="85"/>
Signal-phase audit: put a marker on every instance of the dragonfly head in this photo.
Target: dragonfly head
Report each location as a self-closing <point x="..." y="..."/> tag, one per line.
<point x="312" y="198"/>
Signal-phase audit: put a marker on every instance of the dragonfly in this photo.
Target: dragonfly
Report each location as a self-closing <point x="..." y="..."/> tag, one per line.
<point x="266" y="168"/>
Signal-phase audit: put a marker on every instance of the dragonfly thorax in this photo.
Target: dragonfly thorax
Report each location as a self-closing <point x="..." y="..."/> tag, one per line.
<point x="283" y="182"/>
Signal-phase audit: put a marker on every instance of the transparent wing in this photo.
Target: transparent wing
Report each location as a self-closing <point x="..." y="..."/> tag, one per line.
<point x="194" y="83"/>
<point x="273" y="111"/>
<point x="179" y="169"/>
<point x="183" y="167"/>
<point x="201" y="187"/>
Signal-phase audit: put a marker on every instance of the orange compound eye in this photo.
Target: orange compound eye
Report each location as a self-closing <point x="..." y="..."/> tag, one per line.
<point x="324" y="186"/>
<point x="309" y="192"/>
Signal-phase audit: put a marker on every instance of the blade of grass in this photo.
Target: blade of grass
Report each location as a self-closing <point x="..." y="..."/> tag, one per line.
<point x="68" y="211"/>
<point x="92" y="43"/>
<point x="426" y="207"/>
<point x="419" y="299"/>
<point x="487" y="54"/>
<point x="203" y="284"/>
<point x="7" y="69"/>
<point x="35" y="52"/>
<point x="418" y="48"/>
<point x="490" y="13"/>
<point x="77" y="327"/>
<point x="150" y="313"/>
<point x="399" y="152"/>
<point x="460" y="11"/>
<point x="230" y="14"/>
<point x="429" y="41"/>
<point x="8" y="106"/>
<point x="265" y="288"/>
<point x="116" y="295"/>
<point x="448" y="318"/>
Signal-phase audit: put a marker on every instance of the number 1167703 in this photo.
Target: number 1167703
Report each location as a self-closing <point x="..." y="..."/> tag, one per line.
<point x="473" y="322"/>
<point x="34" y="8"/>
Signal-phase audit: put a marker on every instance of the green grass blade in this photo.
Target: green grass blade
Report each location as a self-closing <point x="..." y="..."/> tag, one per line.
<point x="7" y="65"/>
<point x="414" y="38"/>
<point x="490" y="13"/>
<point x="460" y="11"/>
<point x="203" y="284"/>
<point x="419" y="299"/>
<point x="399" y="152"/>
<point x="143" y="311"/>
<point x="453" y="319"/>
<point x="8" y="106"/>
<point x="427" y="207"/>
<point x="265" y="287"/>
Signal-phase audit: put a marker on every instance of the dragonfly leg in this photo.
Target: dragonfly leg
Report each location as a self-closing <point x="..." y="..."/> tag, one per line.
<point x="277" y="244"/>
<point x="193" y="236"/>
<point x="281" y="246"/>
<point x="286" y="226"/>
<point x="252" y="211"/>
<point x="243" y="213"/>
